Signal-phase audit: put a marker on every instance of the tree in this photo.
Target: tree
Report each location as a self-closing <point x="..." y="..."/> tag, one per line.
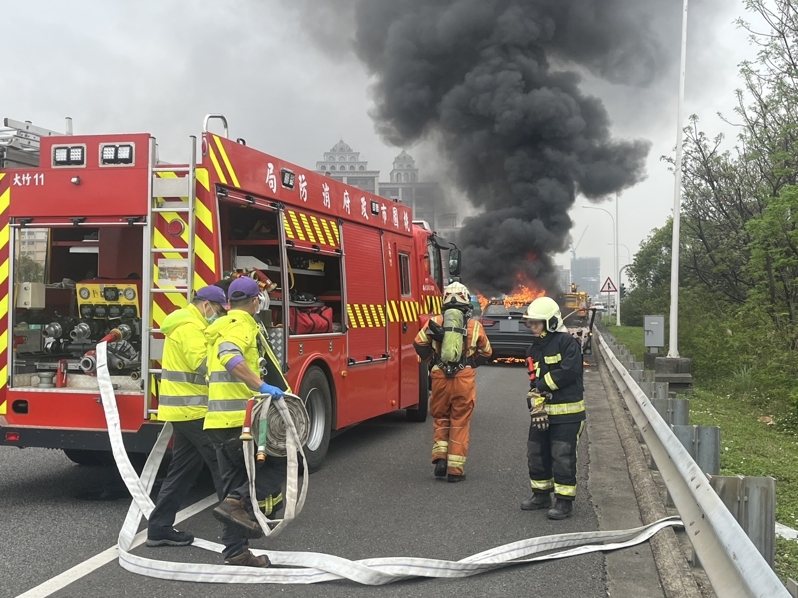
<point x="649" y="275"/>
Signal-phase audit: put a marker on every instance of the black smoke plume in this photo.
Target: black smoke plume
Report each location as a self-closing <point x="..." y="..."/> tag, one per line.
<point x="495" y="84"/>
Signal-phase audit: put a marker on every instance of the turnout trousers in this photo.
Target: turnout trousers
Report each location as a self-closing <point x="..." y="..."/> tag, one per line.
<point x="192" y="450"/>
<point x="551" y="455"/>
<point x="233" y="473"/>
<point x="451" y="406"/>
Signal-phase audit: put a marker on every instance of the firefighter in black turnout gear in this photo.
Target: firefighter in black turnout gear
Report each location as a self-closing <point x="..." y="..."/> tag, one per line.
<point x="557" y="409"/>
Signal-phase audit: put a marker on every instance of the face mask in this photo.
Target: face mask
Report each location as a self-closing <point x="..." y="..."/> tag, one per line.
<point x="211" y="318"/>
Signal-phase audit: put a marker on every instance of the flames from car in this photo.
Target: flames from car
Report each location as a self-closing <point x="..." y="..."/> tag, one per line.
<point x="524" y="293"/>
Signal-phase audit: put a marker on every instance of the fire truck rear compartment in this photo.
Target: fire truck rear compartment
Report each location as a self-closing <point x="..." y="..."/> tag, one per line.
<point x="71" y="286"/>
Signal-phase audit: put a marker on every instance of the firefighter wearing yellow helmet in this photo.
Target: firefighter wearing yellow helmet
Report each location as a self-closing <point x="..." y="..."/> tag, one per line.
<point x="557" y="409"/>
<point x="456" y="345"/>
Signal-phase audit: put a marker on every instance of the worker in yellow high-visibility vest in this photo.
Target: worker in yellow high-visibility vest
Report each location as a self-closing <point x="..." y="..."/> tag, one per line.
<point x="236" y="346"/>
<point x="183" y="400"/>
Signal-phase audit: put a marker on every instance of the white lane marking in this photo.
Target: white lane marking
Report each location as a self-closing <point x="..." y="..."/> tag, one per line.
<point x="106" y="556"/>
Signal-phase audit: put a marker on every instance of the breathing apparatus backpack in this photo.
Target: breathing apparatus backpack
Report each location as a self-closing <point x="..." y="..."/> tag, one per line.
<point x="455" y="330"/>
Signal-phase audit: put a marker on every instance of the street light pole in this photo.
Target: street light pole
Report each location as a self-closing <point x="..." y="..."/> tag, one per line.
<point x="673" y="339"/>
<point x="620" y="284"/>
<point x="617" y="261"/>
<point x="615" y="236"/>
<point x="625" y="247"/>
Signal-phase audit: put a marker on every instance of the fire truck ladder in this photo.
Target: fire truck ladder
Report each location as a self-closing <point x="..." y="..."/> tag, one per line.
<point x="173" y="195"/>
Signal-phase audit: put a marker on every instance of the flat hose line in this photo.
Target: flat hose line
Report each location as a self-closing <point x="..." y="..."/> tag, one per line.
<point x="296" y="567"/>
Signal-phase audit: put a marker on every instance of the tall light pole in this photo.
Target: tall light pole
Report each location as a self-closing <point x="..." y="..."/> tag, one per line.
<point x="615" y="236"/>
<point x="673" y="337"/>
<point x="617" y="263"/>
<point x="620" y="284"/>
<point x="628" y="251"/>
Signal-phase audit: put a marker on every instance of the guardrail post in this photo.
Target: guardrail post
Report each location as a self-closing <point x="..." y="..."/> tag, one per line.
<point x="660" y="390"/>
<point x="703" y="444"/>
<point x="752" y="502"/>
<point x="675" y="412"/>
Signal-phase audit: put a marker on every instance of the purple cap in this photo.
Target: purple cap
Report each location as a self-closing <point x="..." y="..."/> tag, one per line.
<point x="243" y="288"/>
<point x="212" y="293"/>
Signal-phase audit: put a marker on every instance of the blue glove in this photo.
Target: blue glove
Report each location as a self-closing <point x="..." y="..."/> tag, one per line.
<point x="268" y="389"/>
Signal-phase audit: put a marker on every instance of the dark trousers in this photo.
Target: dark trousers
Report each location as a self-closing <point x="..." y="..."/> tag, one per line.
<point x="192" y="449"/>
<point x="551" y="455"/>
<point x="233" y="472"/>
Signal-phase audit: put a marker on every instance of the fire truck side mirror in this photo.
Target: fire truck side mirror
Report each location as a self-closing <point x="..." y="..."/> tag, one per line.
<point x="454" y="261"/>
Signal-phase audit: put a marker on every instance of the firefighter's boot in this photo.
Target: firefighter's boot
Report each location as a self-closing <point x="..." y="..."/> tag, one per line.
<point x="233" y="511"/>
<point x="247" y="559"/>
<point x="440" y="469"/>
<point x="538" y="500"/>
<point x="561" y="510"/>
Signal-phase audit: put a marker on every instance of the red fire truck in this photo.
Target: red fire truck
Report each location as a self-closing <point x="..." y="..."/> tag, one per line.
<point x="100" y="234"/>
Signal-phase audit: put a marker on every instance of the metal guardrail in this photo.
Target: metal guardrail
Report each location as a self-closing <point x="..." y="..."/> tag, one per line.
<point x="731" y="561"/>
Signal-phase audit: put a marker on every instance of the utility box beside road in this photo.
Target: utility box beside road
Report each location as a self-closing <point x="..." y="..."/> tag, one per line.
<point x="653" y="338"/>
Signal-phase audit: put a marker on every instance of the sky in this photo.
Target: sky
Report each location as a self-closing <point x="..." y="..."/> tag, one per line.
<point x="285" y="77"/>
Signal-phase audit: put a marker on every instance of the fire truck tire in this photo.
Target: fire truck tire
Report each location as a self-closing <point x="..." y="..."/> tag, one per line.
<point x="315" y="390"/>
<point x="419" y="412"/>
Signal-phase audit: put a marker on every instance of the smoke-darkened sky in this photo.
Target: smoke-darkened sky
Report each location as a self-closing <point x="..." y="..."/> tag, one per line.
<point x="287" y="77"/>
<point x="518" y="133"/>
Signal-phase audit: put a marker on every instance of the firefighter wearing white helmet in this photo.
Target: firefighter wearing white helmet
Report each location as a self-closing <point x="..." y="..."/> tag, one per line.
<point x="457" y="345"/>
<point x="557" y="409"/>
<point x="456" y="293"/>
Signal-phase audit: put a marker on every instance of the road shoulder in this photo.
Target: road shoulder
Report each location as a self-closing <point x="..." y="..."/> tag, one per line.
<point x="632" y="571"/>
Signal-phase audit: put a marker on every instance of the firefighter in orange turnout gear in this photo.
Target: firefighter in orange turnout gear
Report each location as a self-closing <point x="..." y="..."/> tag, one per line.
<point x="454" y="390"/>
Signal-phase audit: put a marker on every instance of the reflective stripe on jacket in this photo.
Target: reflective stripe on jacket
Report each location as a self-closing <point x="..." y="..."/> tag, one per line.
<point x="228" y="337"/>
<point x="183" y="391"/>
<point x="558" y="369"/>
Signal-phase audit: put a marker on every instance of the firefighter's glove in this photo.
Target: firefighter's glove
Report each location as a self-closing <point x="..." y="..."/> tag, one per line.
<point x="268" y="389"/>
<point x="535" y="398"/>
<point x="540" y="419"/>
<point x="435" y="331"/>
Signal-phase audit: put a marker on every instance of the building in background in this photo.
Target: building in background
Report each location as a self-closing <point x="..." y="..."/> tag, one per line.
<point x="563" y="278"/>
<point x="586" y="274"/>
<point x="426" y="198"/>
<point x="344" y="164"/>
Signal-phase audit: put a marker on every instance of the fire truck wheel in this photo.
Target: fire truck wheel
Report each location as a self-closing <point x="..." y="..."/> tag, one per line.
<point x="419" y="413"/>
<point x="315" y="390"/>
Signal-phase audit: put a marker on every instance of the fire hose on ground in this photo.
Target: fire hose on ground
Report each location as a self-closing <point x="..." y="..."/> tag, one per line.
<point x="284" y="437"/>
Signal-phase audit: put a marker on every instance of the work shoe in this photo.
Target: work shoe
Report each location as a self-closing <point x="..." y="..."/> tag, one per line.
<point x="561" y="510"/>
<point x="440" y="468"/>
<point x="538" y="500"/>
<point x="169" y="537"/>
<point x="455" y="478"/>
<point x="232" y="510"/>
<point x="247" y="559"/>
